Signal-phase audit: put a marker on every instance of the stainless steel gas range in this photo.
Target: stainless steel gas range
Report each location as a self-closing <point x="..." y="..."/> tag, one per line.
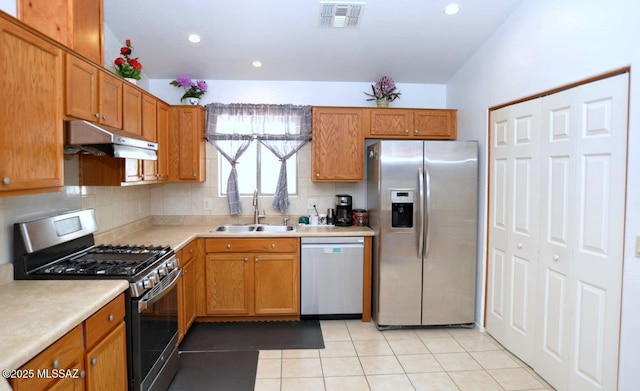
<point x="63" y="247"/>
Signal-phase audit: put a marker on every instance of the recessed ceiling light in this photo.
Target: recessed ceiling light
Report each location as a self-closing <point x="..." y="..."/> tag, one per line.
<point x="194" y="38"/>
<point x="256" y="64"/>
<point x="452" y="9"/>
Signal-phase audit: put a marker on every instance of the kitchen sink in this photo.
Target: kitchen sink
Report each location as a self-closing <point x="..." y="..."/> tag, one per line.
<point x="234" y="228"/>
<point x="248" y="228"/>
<point x="275" y="228"/>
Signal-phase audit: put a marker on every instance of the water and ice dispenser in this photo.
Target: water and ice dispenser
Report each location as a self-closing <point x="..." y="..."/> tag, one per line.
<point x="402" y="208"/>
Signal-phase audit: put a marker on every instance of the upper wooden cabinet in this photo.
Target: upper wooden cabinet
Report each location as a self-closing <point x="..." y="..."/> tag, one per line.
<point x="132" y="109"/>
<point x="76" y="24"/>
<point x="337" y="147"/>
<point x="163" y="121"/>
<point x="411" y="123"/>
<point x="187" y="144"/>
<point x="92" y="94"/>
<point x="31" y="127"/>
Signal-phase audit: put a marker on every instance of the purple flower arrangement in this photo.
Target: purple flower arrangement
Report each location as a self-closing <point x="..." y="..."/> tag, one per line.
<point x="193" y="88"/>
<point x="384" y="88"/>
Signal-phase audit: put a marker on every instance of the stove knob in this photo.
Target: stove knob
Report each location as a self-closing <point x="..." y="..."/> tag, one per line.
<point x="154" y="278"/>
<point x="162" y="271"/>
<point x="171" y="265"/>
<point x="147" y="283"/>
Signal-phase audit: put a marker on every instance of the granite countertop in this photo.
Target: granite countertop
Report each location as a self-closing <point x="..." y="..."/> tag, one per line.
<point x="37" y="313"/>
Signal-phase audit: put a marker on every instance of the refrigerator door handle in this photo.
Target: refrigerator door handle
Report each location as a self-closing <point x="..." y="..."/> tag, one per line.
<point x="427" y="215"/>
<point x="421" y="211"/>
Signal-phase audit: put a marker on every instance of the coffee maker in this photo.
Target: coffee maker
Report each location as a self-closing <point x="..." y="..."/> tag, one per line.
<point x="343" y="210"/>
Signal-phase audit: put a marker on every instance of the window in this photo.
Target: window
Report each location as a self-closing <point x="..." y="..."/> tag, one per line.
<point x="257" y="168"/>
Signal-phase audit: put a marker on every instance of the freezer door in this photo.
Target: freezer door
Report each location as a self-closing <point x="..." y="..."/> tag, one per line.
<point x="449" y="273"/>
<point x="397" y="263"/>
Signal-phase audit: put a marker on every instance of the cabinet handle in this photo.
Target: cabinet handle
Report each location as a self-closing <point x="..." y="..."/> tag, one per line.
<point x="82" y="374"/>
<point x="111" y="318"/>
<point x="94" y="361"/>
<point x="191" y="251"/>
<point x="194" y="175"/>
<point x="104" y="117"/>
<point x="519" y="245"/>
<point x="6" y="180"/>
<point x="416" y="131"/>
<point x="406" y="131"/>
<point x="273" y="245"/>
<point x="97" y="115"/>
<point x="228" y="245"/>
<point x="317" y="174"/>
<point x="556" y="257"/>
<point x="246" y="259"/>
<point x="257" y="259"/>
<point x="56" y="363"/>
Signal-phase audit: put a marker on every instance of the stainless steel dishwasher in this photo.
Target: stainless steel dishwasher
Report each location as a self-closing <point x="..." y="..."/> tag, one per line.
<point x="331" y="282"/>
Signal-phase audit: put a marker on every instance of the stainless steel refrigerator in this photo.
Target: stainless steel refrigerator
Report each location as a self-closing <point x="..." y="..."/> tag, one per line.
<point x="422" y="199"/>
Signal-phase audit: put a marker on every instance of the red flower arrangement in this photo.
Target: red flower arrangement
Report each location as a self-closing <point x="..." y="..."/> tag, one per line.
<point x="127" y="66"/>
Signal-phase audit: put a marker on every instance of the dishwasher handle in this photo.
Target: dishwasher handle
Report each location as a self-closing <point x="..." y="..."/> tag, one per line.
<point x="333" y="245"/>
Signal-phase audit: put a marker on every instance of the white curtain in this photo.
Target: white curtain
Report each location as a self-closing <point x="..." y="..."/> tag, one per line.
<point x="283" y="129"/>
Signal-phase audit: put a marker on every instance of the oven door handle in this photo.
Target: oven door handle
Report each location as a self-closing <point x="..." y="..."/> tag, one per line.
<point x="159" y="290"/>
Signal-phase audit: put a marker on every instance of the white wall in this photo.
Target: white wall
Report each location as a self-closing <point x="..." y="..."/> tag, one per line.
<point x="546" y="44"/>
<point x="8" y="6"/>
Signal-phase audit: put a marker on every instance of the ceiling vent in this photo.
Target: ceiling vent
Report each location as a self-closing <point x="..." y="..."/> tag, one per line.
<point x="340" y="14"/>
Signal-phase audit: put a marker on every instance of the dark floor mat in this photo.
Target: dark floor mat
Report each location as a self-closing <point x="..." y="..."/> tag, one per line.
<point x="223" y="371"/>
<point x="304" y="334"/>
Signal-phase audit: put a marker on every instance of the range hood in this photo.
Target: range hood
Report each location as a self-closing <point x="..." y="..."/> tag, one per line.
<point x="87" y="137"/>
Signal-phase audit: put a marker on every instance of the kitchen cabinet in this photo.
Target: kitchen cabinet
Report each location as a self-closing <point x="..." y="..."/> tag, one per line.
<point x="253" y="278"/>
<point x="66" y="353"/>
<point x="31" y="141"/>
<point x="337" y="146"/>
<point x="92" y="94"/>
<point x="187" y="157"/>
<point x="76" y="24"/>
<point x="92" y="356"/>
<point x="109" y="171"/>
<point x="105" y="341"/>
<point x="411" y="123"/>
<point x="131" y="109"/>
<point x="187" y="288"/>
<point x="163" y="121"/>
<point x="149" y="113"/>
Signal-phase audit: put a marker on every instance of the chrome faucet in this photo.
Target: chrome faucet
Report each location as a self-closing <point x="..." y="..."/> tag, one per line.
<point x="256" y="212"/>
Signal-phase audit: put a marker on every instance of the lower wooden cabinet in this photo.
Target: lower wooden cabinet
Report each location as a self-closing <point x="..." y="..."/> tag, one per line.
<point x="187" y="287"/>
<point x="252" y="277"/>
<point x="92" y="356"/>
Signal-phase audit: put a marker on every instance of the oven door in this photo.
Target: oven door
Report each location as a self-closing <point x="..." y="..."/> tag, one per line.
<point x="154" y="336"/>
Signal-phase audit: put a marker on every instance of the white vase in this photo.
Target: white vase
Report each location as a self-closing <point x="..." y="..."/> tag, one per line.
<point x="191" y="101"/>
<point x="131" y="80"/>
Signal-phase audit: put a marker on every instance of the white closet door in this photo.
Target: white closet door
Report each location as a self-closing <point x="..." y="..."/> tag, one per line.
<point x="557" y="227"/>
<point x="499" y="212"/>
<point x="596" y="277"/>
<point x="514" y="228"/>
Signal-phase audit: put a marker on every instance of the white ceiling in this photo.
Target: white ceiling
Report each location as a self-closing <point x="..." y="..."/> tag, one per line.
<point x="413" y="41"/>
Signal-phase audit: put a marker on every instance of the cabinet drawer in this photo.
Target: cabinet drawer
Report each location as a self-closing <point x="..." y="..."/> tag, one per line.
<point x="188" y="252"/>
<point x="103" y="321"/>
<point x="65" y="353"/>
<point x="262" y="245"/>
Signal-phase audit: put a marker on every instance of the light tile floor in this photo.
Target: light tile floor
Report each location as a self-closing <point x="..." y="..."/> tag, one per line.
<point x="357" y="356"/>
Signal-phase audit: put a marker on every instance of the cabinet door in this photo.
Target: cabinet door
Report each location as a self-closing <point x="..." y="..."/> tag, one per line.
<point x="276" y="284"/>
<point x="189" y="295"/>
<point x="110" y="100"/>
<point x="187" y="162"/>
<point x="71" y="383"/>
<point x="338" y="144"/>
<point x="162" y="127"/>
<point x="149" y="131"/>
<point x="106" y="363"/>
<point x="31" y="112"/>
<point x="228" y="284"/>
<point x="435" y="124"/>
<point x="81" y="97"/>
<point x="131" y="109"/>
<point x="47" y="16"/>
<point x="395" y="123"/>
<point x="87" y="29"/>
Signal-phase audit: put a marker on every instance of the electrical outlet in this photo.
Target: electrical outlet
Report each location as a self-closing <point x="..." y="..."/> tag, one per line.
<point x="312" y="203"/>
<point x="206" y="203"/>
